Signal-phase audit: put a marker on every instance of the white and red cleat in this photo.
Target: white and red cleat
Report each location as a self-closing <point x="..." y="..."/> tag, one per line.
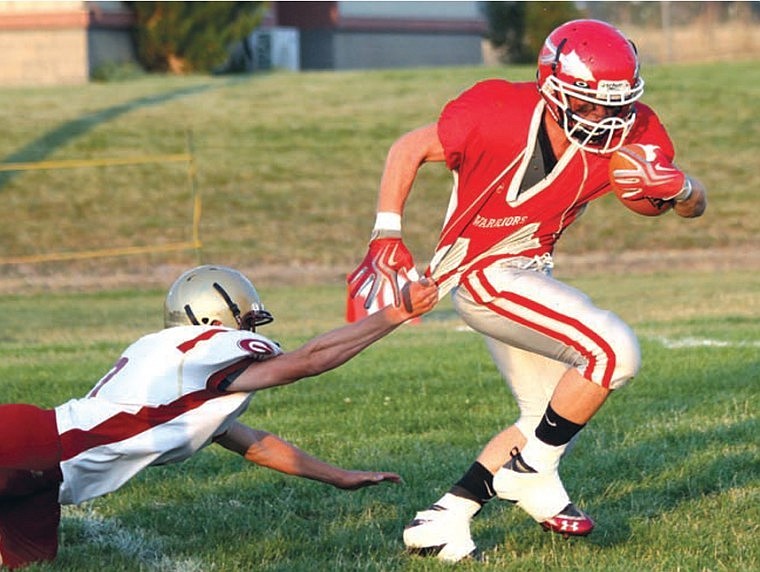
<point x="540" y="495"/>
<point x="571" y="521"/>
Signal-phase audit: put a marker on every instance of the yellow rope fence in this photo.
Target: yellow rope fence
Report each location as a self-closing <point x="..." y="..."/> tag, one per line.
<point x="193" y="244"/>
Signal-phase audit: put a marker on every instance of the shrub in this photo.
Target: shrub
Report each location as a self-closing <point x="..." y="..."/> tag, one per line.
<point x="185" y="37"/>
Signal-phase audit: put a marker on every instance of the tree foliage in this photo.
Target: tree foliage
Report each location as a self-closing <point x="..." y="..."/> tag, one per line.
<point x="541" y="18"/>
<point x="183" y="37"/>
<point x="506" y="29"/>
<point x="517" y="29"/>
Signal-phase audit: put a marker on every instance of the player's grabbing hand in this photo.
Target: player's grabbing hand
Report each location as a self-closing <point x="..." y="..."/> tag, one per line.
<point x="417" y="297"/>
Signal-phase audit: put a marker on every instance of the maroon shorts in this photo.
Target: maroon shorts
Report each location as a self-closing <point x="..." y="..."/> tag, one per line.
<point x="29" y="482"/>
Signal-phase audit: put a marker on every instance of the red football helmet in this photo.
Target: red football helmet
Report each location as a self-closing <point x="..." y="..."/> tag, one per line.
<point x="590" y="61"/>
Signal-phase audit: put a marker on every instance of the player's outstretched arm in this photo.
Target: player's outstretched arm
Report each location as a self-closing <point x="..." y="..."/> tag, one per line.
<point x="273" y="452"/>
<point x="334" y="348"/>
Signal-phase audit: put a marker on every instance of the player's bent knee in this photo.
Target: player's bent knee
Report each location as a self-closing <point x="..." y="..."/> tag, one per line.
<point x="627" y="354"/>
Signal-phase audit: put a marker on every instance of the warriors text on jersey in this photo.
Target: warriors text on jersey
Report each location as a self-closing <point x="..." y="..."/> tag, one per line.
<point x="498" y="209"/>
<point x="162" y="401"/>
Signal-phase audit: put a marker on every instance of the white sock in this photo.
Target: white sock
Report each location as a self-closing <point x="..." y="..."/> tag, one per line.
<point x="543" y="457"/>
<point x="459" y="504"/>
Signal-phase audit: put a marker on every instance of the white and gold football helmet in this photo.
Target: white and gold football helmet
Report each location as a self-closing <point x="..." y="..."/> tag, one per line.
<point x="209" y="295"/>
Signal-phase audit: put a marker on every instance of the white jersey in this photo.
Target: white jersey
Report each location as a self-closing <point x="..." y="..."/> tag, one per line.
<point x="163" y="400"/>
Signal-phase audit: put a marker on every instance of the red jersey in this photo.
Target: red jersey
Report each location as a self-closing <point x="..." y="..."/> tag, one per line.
<point x="489" y="134"/>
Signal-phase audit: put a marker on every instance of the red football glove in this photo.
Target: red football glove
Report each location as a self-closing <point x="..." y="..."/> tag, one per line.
<point x="387" y="266"/>
<point x="643" y="171"/>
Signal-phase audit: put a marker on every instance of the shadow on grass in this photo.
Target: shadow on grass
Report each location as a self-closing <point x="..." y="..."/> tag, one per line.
<point x="43" y="146"/>
<point x="682" y="459"/>
<point x="671" y="477"/>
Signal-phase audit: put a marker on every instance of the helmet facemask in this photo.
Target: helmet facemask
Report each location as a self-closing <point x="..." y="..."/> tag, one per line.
<point x="597" y="136"/>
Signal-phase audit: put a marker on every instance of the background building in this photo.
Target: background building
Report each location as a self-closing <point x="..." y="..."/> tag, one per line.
<point x="361" y="35"/>
<point x="48" y="43"/>
<point x="68" y="42"/>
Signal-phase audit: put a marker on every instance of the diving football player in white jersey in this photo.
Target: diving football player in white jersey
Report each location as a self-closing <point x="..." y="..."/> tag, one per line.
<point x="170" y="394"/>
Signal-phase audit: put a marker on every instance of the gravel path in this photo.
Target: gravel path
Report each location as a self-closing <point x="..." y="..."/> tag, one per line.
<point x="31" y="279"/>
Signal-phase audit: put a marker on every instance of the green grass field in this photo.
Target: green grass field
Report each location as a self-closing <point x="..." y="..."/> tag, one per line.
<point x="288" y="166"/>
<point x="669" y="467"/>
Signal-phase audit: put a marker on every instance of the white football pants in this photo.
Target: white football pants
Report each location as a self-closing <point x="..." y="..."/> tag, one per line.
<point x="537" y="327"/>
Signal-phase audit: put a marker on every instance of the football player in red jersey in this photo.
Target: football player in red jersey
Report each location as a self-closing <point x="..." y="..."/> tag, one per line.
<point x="526" y="159"/>
<point x="170" y="394"/>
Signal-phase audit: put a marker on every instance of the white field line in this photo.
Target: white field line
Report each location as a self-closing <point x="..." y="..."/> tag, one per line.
<point x="691" y="342"/>
<point x="143" y="547"/>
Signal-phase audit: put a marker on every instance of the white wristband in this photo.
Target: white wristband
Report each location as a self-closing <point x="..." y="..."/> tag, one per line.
<point x="388" y="221"/>
<point x="685" y="192"/>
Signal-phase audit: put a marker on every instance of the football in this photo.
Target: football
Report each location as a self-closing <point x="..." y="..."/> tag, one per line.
<point x="627" y="161"/>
